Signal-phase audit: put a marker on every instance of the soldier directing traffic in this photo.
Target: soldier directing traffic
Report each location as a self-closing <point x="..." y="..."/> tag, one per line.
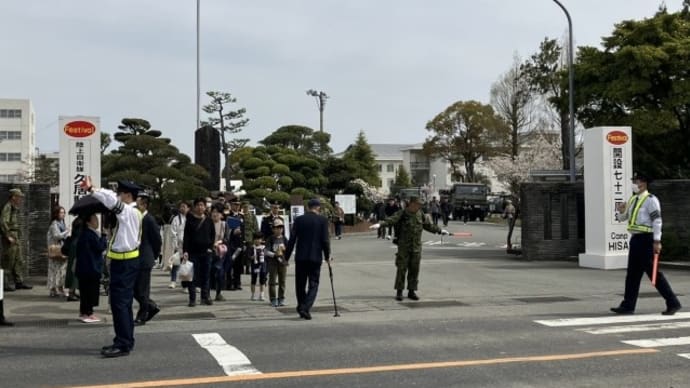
<point x="12" y="260"/>
<point x="643" y="213"/>
<point x="409" y="221"/>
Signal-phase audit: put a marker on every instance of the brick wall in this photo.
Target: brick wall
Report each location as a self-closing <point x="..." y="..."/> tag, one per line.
<point x="34" y="221"/>
<point x="553" y="222"/>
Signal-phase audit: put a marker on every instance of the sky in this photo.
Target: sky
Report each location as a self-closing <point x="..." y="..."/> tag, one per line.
<point x="389" y="66"/>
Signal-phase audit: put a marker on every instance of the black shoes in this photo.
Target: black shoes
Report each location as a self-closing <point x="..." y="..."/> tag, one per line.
<point x="23" y="286"/>
<point x="399" y="296"/>
<point x="220" y="298"/>
<point x="671" y="310"/>
<point x="207" y="302"/>
<point x="304" y="314"/>
<point x="412" y="295"/>
<point x="9" y="288"/>
<point x="152" y="313"/>
<point x="3" y="322"/>
<point x="139" y="322"/>
<point x="192" y="303"/>
<point x="622" y="310"/>
<point x="112" y="352"/>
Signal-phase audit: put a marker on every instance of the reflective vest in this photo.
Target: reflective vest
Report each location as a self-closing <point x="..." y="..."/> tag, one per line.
<point x="633" y="226"/>
<point x="133" y="254"/>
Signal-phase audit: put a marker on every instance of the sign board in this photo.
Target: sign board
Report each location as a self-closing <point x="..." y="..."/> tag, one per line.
<point x="608" y="174"/>
<point x="296" y="211"/>
<point x="348" y="202"/>
<point x="80" y="155"/>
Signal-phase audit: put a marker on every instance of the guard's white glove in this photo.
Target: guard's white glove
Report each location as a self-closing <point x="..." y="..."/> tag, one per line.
<point x="444" y="232"/>
<point x="375" y="226"/>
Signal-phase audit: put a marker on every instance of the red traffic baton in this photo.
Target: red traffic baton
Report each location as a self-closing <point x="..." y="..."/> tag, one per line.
<point x="461" y="234"/>
<point x="655" y="268"/>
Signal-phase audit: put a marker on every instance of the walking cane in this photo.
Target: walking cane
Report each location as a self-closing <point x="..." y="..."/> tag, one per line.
<point x="330" y="273"/>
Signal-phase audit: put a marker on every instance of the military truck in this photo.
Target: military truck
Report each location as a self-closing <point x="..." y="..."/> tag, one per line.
<point x="474" y="196"/>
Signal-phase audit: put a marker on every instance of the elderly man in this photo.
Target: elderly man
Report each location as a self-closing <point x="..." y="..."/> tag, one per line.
<point x="12" y="261"/>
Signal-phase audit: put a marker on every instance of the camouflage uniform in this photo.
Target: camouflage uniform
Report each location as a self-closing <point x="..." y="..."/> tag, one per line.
<point x="250" y="228"/>
<point x="12" y="260"/>
<point x="409" y="239"/>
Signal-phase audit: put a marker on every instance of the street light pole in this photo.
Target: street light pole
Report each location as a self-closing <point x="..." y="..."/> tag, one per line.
<point x="321" y="98"/>
<point x="198" y="75"/>
<point x="571" y="96"/>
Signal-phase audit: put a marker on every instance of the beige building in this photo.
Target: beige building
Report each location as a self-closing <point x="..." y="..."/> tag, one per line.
<point x="17" y="140"/>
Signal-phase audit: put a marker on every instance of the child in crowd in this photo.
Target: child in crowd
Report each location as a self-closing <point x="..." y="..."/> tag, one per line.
<point x="89" y="267"/>
<point x="277" y="265"/>
<point x="257" y="257"/>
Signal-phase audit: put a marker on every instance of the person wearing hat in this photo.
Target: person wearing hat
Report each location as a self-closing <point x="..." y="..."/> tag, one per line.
<point x="267" y="221"/>
<point x="643" y="213"/>
<point x="235" y="265"/>
<point x="149" y="250"/>
<point x="12" y="260"/>
<point x="310" y="241"/>
<point x="277" y="265"/>
<point x="251" y="227"/>
<point x="123" y="252"/>
<point x="410" y="222"/>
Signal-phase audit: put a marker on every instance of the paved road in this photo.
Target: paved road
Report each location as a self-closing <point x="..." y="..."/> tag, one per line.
<point x="486" y="320"/>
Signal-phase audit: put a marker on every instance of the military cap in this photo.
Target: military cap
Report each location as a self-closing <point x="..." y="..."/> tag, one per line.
<point x="641" y="177"/>
<point x="413" y="199"/>
<point x="129" y="187"/>
<point x="16" y="192"/>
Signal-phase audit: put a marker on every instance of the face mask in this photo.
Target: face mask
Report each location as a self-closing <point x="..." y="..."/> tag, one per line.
<point x="635" y="188"/>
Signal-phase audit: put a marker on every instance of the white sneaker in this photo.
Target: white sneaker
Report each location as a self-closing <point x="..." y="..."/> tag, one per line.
<point x="91" y="319"/>
<point x="388" y="237"/>
<point x="262" y="297"/>
<point x="172" y="285"/>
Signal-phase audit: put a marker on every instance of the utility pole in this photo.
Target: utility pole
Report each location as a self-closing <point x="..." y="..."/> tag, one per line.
<point x="571" y="96"/>
<point x="321" y="98"/>
<point x="198" y="72"/>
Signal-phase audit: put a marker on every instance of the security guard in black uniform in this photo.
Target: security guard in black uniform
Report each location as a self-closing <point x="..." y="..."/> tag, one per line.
<point x="123" y="252"/>
<point x="643" y="213"/>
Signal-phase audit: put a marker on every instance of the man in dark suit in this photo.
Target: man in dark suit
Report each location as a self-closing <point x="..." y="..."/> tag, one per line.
<point x="310" y="234"/>
<point x="149" y="250"/>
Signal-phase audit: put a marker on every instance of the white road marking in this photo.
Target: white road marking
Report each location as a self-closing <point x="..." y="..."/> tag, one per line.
<point x="657" y="342"/>
<point x="636" y="328"/>
<point x="611" y="319"/>
<point x="685" y="355"/>
<point x="231" y="359"/>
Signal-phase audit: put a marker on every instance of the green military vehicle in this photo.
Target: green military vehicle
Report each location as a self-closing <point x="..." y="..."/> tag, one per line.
<point x="470" y="199"/>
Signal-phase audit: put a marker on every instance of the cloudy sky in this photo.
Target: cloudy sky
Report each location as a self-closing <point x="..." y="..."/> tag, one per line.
<point x="388" y="65"/>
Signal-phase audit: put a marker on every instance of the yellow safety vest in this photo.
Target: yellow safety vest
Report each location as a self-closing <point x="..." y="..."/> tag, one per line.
<point x="633" y="226"/>
<point x="133" y="254"/>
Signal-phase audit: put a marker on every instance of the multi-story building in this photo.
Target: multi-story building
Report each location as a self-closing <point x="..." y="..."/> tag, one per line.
<point x="17" y="140"/>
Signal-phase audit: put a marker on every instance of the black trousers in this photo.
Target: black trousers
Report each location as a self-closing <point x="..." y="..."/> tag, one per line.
<point x="89" y="293"/>
<point x="307" y="275"/>
<point x="238" y="270"/>
<point x="123" y="275"/>
<point x="640" y="261"/>
<point x="142" y="293"/>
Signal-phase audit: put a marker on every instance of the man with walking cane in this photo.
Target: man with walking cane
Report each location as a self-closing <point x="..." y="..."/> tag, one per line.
<point x="310" y="235"/>
<point x="643" y="213"/>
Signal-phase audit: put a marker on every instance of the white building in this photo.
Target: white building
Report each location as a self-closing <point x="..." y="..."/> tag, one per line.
<point x="17" y="140"/>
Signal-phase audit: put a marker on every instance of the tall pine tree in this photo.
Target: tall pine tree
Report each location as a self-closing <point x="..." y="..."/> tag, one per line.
<point x="361" y="157"/>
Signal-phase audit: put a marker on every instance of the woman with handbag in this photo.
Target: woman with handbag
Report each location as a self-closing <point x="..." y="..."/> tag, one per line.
<point x="57" y="262"/>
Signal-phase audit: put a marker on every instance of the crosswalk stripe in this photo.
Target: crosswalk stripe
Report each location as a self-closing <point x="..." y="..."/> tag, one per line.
<point x="231" y="359"/>
<point x="611" y="319"/>
<point x="685" y="355"/>
<point x="636" y="328"/>
<point x="657" y="342"/>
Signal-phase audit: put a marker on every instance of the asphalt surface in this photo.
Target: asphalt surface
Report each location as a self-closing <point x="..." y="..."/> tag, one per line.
<point x="475" y="326"/>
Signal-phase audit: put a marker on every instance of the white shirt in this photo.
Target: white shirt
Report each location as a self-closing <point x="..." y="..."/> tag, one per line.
<point x="127" y="234"/>
<point x="649" y="214"/>
<point x="177" y="228"/>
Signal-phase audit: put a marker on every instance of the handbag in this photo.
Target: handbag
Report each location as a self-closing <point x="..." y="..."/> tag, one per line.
<point x="55" y="252"/>
<point x="186" y="271"/>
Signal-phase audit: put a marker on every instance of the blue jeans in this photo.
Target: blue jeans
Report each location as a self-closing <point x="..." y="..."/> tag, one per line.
<point x="202" y="275"/>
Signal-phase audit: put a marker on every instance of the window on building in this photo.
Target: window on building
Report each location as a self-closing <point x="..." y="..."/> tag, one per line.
<point x="9" y="178"/>
<point x="11" y="113"/>
<point x="379" y="167"/>
<point x="10" y="135"/>
<point x="390" y="168"/>
<point x="14" y="157"/>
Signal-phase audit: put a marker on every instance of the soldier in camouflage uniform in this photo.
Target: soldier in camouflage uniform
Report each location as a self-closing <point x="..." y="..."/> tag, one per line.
<point x="250" y="228"/>
<point x="409" y="221"/>
<point x="12" y="260"/>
